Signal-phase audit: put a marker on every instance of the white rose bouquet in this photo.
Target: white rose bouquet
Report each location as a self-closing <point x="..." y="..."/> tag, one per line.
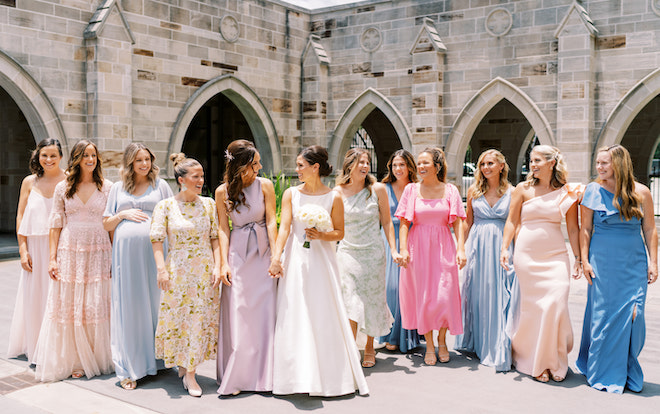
<point x="312" y="215"/>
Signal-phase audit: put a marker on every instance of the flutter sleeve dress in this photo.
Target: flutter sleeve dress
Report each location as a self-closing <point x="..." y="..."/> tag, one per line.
<point x="611" y="338"/>
<point x="428" y="288"/>
<point x="187" y="331"/>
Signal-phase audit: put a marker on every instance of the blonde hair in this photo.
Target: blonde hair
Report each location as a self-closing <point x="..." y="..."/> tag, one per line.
<point x="182" y="165"/>
<point x="559" y="171"/>
<point x="127" y="173"/>
<point x="630" y="204"/>
<point x="480" y="185"/>
<point x="351" y="160"/>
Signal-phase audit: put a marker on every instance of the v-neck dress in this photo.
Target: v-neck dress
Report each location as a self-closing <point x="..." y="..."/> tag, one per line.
<point x="75" y="332"/>
<point x="490" y="293"/>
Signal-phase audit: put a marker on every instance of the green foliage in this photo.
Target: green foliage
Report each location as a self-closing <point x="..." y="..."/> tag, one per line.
<point x="281" y="182"/>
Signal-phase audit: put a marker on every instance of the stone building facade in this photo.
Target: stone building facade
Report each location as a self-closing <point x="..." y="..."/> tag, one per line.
<point x="191" y="75"/>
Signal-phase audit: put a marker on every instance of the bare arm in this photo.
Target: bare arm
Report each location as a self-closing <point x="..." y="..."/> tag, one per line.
<point x="133" y="214"/>
<point x="271" y="212"/>
<point x="459" y="232"/>
<point x="286" y="218"/>
<point x="386" y="220"/>
<point x="512" y="223"/>
<point x="163" y="277"/>
<point x="650" y="232"/>
<point x="337" y="216"/>
<point x="587" y="222"/>
<point x="573" y="229"/>
<point x="53" y="242"/>
<point x="26" y="188"/>
<point x="223" y="233"/>
<point x="403" y="241"/>
<point x="469" y="221"/>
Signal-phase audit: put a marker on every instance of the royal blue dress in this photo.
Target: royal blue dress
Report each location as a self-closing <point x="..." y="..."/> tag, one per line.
<point x="135" y="293"/>
<point x="611" y="339"/>
<point x="405" y="339"/>
<point x="490" y="293"/>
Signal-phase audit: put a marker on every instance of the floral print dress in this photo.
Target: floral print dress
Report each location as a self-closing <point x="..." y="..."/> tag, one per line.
<point x="187" y="329"/>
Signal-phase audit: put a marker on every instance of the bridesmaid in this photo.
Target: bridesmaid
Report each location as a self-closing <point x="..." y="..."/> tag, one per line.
<point x="544" y="337"/>
<point x="187" y="330"/>
<point x="401" y="171"/>
<point x="34" y="205"/>
<point x="490" y="293"/>
<point x="135" y="294"/>
<point x="247" y="303"/>
<point x="361" y="253"/>
<point x="615" y="210"/>
<point x="314" y="351"/>
<point x="75" y="334"/>
<point x="429" y="291"/>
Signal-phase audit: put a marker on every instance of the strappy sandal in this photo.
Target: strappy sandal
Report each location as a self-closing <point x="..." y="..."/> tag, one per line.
<point x="77" y="373"/>
<point x="557" y="378"/>
<point x="444" y="356"/>
<point x="544" y="377"/>
<point x="128" y="384"/>
<point x="430" y="358"/>
<point x="369" y="359"/>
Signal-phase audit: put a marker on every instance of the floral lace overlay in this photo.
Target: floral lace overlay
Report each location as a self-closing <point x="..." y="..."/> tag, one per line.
<point x="187" y="329"/>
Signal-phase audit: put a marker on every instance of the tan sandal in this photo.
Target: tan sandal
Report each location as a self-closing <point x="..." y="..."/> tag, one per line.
<point x="544" y="377"/>
<point x="444" y="356"/>
<point x="369" y="359"/>
<point x="430" y="358"/>
<point x="128" y="384"/>
<point x="390" y="347"/>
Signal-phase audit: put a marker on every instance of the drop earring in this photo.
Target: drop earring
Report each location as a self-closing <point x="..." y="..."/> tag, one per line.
<point x="183" y="187"/>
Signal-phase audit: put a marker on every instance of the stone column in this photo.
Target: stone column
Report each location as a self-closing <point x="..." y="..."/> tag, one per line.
<point x="314" y="94"/>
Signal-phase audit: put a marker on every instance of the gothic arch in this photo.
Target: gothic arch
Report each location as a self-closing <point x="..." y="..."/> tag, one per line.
<point x="251" y="107"/>
<point x="356" y="113"/>
<point x="627" y="109"/>
<point x="477" y="107"/>
<point x="38" y="110"/>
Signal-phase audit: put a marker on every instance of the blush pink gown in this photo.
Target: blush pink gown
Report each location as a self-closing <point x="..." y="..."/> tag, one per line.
<point x="544" y="336"/>
<point x="428" y="287"/>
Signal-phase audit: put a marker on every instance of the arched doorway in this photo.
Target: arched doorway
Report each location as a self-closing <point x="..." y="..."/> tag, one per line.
<point x="221" y="110"/>
<point x="373" y="116"/>
<point x="216" y="124"/>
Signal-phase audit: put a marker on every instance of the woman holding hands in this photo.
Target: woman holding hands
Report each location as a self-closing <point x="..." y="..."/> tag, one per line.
<point x="544" y="336"/>
<point x="429" y="290"/>
<point x="614" y="209"/>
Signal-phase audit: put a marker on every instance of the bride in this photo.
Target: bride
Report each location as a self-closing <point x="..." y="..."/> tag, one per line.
<point x="314" y="348"/>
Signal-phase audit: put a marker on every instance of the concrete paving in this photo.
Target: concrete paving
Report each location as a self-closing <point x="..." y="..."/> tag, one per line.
<point x="398" y="383"/>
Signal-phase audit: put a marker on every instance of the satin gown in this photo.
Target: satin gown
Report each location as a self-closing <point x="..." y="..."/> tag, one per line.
<point x="611" y="339"/>
<point x="361" y="260"/>
<point x="33" y="286"/>
<point x="315" y="352"/>
<point x="490" y="293"/>
<point x="544" y="336"/>
<point x="429" y="289"/>
<point x="75" y="332"/>
<point x="247" y="307"/>
<point x="135" y="293"/>
<point x="405" y="339"/>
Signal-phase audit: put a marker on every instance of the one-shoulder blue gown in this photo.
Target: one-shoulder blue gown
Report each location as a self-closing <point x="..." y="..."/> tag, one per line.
<point x="611" y="339"/>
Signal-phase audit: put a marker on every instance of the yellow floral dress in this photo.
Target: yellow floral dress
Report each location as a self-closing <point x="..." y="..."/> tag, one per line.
<point x="187" y="329"/>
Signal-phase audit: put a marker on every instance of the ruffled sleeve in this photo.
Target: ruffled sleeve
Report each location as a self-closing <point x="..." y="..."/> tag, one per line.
<point x="158" y="231"/>
<point x="111" y="204"/>
<point x="593" y="199"/>
<point x="570" y="193"/>
<point x="57" y="218"/>
<point x="406" y="208"/>
<point x="456" y="209"/>
<point x="211" y="210"/>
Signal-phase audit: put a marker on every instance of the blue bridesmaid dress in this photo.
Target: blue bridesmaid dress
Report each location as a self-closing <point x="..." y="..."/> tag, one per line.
<point x="611" y="339"/>
<point x="490" y="293"/>
<point x="405" y="339"/>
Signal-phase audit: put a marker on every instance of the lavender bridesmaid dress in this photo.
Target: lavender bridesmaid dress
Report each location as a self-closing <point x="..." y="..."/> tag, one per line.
<point x="247" y="307"/>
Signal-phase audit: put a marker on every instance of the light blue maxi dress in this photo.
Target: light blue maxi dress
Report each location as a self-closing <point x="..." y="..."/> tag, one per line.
<point x="405" y="339"/>
<point x="611" y="340"/>
<point x="490" y="293"/>
<point x="135" y="293"/>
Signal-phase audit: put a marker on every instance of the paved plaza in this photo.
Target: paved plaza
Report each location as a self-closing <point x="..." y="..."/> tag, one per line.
<point x="398" y="383"/>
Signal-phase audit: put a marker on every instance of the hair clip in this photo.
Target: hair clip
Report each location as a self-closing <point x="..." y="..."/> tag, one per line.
<point x="228" y="155"/>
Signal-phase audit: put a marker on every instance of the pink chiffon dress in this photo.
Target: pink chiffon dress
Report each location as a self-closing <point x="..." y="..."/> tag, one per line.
<point x="428" y="287"/>
<point x="32" y="286"/>
<point x="543" y="337"/>
<point x="75" y="332"/>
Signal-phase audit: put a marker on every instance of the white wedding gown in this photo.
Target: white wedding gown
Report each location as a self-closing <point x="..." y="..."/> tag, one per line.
<point x="315" y="352"/>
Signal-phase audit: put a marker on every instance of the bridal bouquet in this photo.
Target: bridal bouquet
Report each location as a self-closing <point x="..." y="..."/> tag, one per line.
<point x="312" y="215"/>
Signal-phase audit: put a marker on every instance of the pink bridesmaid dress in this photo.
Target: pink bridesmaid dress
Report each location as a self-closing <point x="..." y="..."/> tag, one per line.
<point x="544" y="336"/>
<point x="428" y="287"/>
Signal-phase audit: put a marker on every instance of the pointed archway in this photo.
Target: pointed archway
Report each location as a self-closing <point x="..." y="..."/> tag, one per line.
<point x="250" y="107"/>
<point x="479" y="106"/>
<point x="384" y="123"/>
